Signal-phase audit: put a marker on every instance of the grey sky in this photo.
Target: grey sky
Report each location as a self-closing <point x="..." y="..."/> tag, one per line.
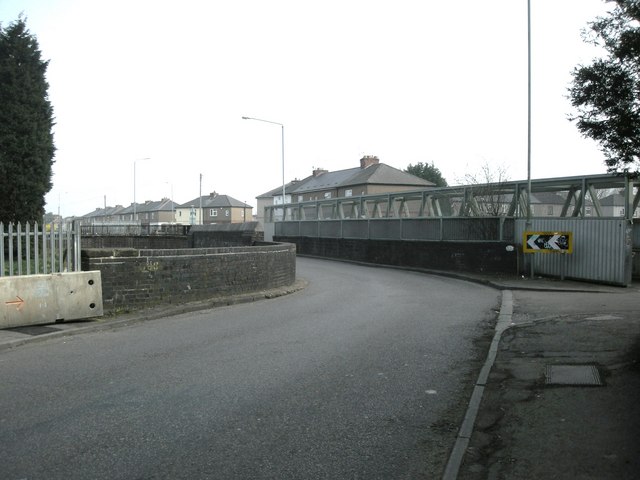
<point x="407" y="80"/>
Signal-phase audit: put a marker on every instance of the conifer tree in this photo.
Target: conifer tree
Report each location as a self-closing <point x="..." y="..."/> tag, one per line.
<point x="26" y="123"/>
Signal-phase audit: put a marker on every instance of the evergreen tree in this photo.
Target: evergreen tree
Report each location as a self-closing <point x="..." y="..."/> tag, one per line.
<point x="606" y="94"/>
<point x="428" y="172"/>
<point x="26" y="122"/>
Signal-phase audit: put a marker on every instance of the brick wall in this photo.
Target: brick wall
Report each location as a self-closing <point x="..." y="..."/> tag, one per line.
<point x="225" y="235"/>
<point x="133" y="279"/>
<point x="479" y="257"/>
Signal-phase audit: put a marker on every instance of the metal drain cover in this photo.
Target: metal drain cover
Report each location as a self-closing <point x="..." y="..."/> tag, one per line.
<point x="572" y="375"/>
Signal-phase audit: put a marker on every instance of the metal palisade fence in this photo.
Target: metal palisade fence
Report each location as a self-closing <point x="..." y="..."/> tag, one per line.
<point x="32" y="249"/>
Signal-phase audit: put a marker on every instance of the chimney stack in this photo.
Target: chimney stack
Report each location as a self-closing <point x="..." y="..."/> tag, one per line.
<point x="368" y="160"/>
<point x="319" y="171"/>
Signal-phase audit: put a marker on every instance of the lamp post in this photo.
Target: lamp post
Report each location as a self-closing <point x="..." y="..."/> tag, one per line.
<point x="59" y="197"/>
<point x="528" y="113"/>
<point x="173" y="211"/>
<point x="134" y="184"/>
<point x="282" y="130"/>
<point x="528" y="222"/>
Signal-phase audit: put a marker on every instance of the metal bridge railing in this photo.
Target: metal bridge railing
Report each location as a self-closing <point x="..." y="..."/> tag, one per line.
<point x="31" y="249"/>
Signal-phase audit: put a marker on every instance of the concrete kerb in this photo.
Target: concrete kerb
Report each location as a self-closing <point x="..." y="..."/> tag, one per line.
<point x="115" y="321"/>
<point x="466" y="429"/>
<point x="504" y="323"/>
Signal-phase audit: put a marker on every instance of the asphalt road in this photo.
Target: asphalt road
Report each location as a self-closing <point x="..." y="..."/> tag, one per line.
<point x="366" y="374"/>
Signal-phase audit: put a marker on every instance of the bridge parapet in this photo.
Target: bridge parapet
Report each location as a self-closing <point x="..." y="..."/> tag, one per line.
<point x="134" y="279"/>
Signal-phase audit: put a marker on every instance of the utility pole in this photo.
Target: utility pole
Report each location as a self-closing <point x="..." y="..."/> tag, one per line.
<point x="201" y="213"/>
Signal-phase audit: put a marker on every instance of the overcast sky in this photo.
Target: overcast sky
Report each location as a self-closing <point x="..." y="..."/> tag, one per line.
<point x="406" y="80"/>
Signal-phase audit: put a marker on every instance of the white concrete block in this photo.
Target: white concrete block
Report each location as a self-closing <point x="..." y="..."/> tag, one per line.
<point x="36" y="299"/>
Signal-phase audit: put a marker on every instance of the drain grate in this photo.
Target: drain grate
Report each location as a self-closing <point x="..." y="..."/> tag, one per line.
<point x="572" y="375"/>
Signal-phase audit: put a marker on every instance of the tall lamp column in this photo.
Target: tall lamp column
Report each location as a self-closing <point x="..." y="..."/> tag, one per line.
<point x="134" y="185"/>
<point x="282" y="137"/>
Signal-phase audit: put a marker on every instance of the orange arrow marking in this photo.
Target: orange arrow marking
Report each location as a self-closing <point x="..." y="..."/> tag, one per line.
<point x="19" y="302"/>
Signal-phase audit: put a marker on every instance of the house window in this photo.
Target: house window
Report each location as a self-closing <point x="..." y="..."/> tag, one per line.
<point x="587" y="211"/>
<point x="226" y="213"/>
<point x="621" y="214"/>
<point x="213" y="213"/>
<point x="327" y="195"/>
<point x="348" y="193"/>
<point x="300" y="198"/>
<point x="550" y="210"/>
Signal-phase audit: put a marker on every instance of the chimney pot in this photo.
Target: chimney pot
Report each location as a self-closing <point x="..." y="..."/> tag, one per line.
<point x="368" y="160"/>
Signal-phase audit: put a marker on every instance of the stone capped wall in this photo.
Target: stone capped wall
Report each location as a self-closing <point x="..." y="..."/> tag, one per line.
<point x="133" y="279"/>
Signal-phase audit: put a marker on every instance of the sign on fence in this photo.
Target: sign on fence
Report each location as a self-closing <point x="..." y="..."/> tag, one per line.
<point x="547" y="242"/>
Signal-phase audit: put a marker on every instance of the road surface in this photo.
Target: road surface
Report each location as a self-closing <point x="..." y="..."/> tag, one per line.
<point x="366" y="373"/>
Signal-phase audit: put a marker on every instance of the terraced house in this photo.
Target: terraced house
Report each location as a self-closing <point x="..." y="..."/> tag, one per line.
<point x="371" y="177"/>
<point x="213" y="209"/>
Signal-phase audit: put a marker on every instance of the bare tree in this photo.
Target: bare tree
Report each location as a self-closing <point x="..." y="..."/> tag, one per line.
<point x="485" y="192"/>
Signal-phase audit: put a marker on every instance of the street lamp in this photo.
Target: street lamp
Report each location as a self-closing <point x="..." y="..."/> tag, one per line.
<point x="173" y="212"/>
<point x="528" y="113"/>
<point x="60" y="216"/>
<point x="282" y="129"/>
<point x="134" y="184"/>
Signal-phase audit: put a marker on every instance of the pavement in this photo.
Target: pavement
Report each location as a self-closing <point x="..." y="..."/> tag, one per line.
<point x="557" y="398"/>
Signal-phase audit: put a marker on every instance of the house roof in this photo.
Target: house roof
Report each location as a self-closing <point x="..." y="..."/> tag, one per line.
<point x="104" y="212"/>
<point x="550" y="198"/>
<point x="164" y="205"/>
<point x="613" y="200"/>
<point x="288" y="188"/>
<point x="215" y="200"/>
<point x="374" y="174"/>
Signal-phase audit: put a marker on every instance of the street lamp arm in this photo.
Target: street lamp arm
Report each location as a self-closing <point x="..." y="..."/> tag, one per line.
<point x="262" y="120"/>
<point x="282" y="141"/>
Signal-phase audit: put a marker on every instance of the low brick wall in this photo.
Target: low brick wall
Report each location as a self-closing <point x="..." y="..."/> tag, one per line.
<point x="133" y="279"/>
<point x="225" y="235"/>
<point x="479" y="257"/>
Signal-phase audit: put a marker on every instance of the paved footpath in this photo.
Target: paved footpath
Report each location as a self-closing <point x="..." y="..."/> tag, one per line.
<point x="561" y="401"/>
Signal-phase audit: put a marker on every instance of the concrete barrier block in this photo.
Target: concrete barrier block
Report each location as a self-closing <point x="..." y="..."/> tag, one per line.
<point x="38" y="299"/>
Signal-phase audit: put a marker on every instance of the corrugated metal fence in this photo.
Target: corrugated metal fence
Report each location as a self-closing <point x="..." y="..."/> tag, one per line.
<point x="602" y="250"/>
<point x="30" y="249"/>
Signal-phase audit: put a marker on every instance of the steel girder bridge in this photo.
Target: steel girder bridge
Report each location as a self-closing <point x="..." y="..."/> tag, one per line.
<point x="607" y="195"/>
